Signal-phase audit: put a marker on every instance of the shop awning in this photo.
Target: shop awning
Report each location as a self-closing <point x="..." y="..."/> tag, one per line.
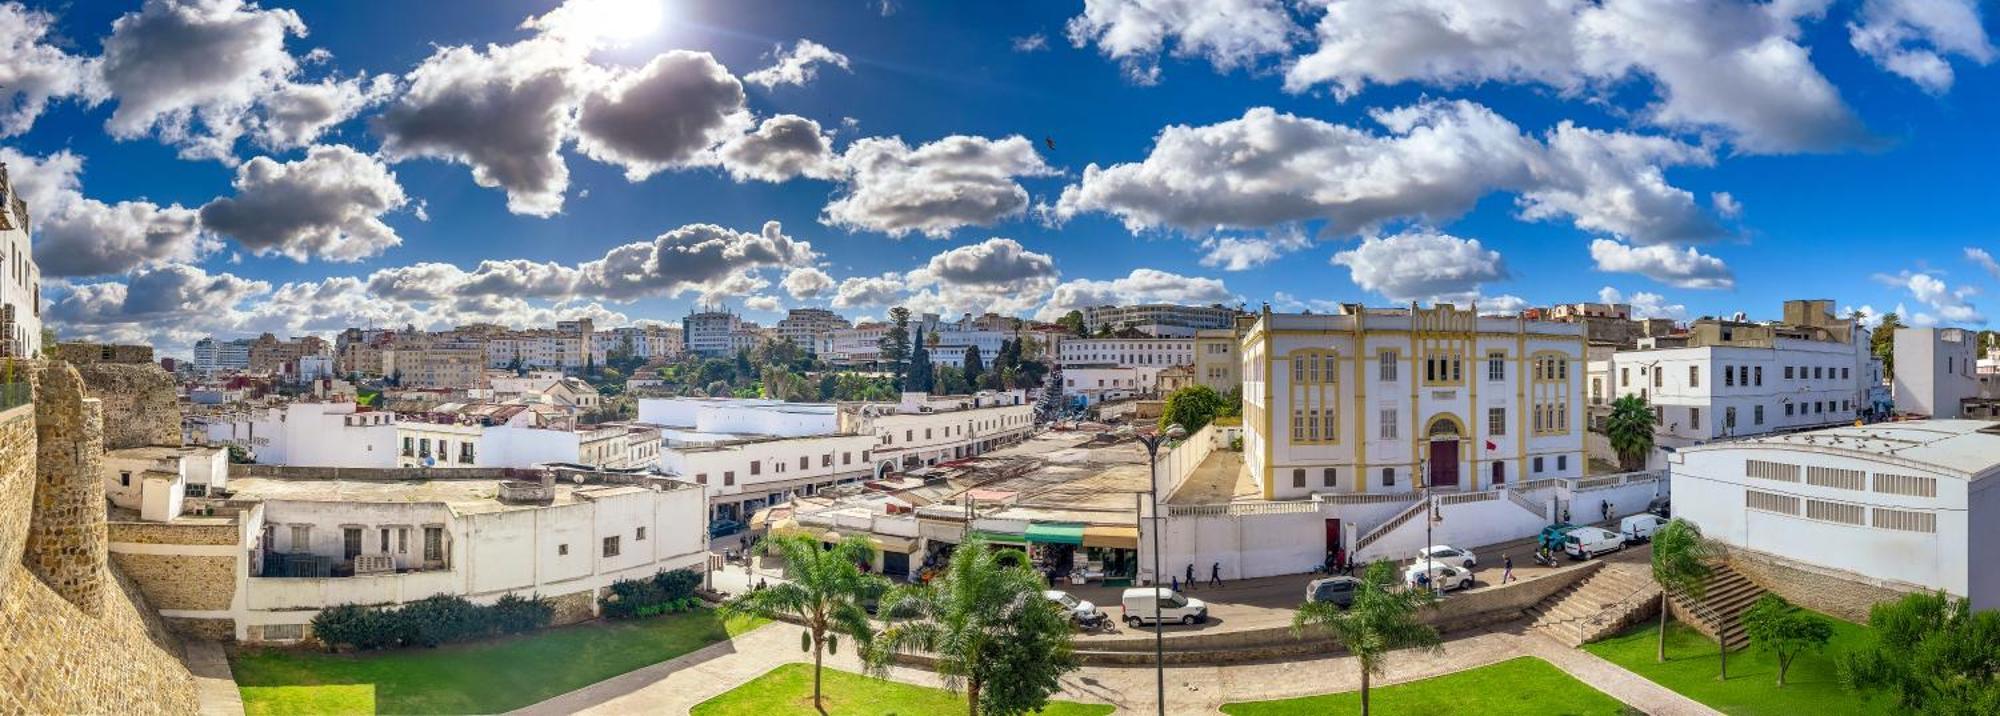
<point x="1055" y="533"/>
<point x="1107" y="536"/>
<point x="996" y="537"/>
<point x="891" y="543"/>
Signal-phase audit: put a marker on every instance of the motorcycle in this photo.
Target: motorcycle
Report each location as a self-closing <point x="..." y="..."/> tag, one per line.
<point x="1092" y="623"/>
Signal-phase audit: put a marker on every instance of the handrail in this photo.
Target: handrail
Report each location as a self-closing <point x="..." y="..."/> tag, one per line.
<point x="1540" y="510"/>
<point x="1406" y="515"/>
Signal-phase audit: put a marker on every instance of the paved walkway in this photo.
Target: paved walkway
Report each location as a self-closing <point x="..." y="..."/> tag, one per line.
<point x="215" y="685"/>
<point x="675" y="686"/>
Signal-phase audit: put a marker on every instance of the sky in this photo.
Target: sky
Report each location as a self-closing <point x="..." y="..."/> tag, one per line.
<point x="227" y="168"/>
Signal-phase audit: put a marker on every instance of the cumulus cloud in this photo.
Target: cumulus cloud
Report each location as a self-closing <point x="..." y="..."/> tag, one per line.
<point x="993" y="262"/>
<point x="504" y="111"/>
<point x="807" y="282"/>
<point x="797" y="66"/>
<point x="167" y="293"/>
<point x="1739" y="68"/>
<point x="1912" y="38"/>
<point x="868" y="291"/>
<point x="298" y="113"/>
<point x="934" y="188"/>
<point x="1951" y="304"/>
<point x="1644" y="304"/>
<point x="1283" y="302"/>
<point x="1242" y="253"/>
<point x="1681" y="268"/>
<point x="76" y="235"/>
<point x="1140" y="286"/>
<point x="1229" y="34"/>
<point x="32" y="70"/>
<point x="669" y="113"/>
<point x="764" y="303"/>
<point x="1983" y="260"/>
<point x="1436" y="160"/>
<point x="328" y="204"/>
<point x="1422" y="265"/>
<point x="783" y="147"/>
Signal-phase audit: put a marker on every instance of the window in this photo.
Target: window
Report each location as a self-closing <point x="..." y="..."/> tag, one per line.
<point x="1328" y="478"/>
<point x="1729" y="418"/>
<point x="1819" y="372"/>
<point x="465" y="453"/>
<point x="1562" y="463"/>
<point x="302" y="538"/>
<point x="1387" y="359"/>
<point x="350" y="542"/>
<point x="1388" y="477"/>
<point x="1844" y="373"/>
<point x="434" y="544"/>
<point x="1788" y="410"/>
<point x="1694" y="376"/>
<point x="385" y="541"/>
<point x="641" y="536"/>
<point x="1298" y="477"/>
<point x="701" y="478"/>
<point x="756" y="467"/>
<point x="1905" y="520"/>
<point x="1538" y="465"/>
<point x="1499" y="472"/>
<point x="1757" y="375"/>
<point x="562" y="550"/>
<point x="909" y="435"/>
<point x="1659" y="378"/>
<point x="1841" y="512"/>
<point x="826" y="460"/>
<point x="804" y="462"/>
<point x="424" y="447"/>
<point x="846" y="458"/>
<point x="1788" y="372"/>
<point x="927" y="433"/>
<point x="1496" y="421"/>
<point x="1625" y="377"/>
<point x="1836" y="478"/>
<point x="1388" y="423"/>
<point x="1757" y="415"/>
<point x="1694" y="418"/>
<point x="1770" y="502"/>
<point x="1496" y="366"/>
<point x="1728" y="377"/>
<point x="611" y="546"/>
<point x="728" y="478"/>
<point x="1905" y="485"/>
<point x="409" y="447"/>
<point x="124" y="479"/>
<point x="402" y="540"/>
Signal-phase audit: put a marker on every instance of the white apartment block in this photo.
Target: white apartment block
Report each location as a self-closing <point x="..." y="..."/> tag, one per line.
<point x="613" y="446"/>
<point x="1096" y="385"/>
<point x="860" y="345"/>
<point x="542" y="350"/>
<point x="212" y="356"/>
<point x="712" y="332"/>
<point x="21" y="284"/>
<point x="1767" y="383"/>
<point x="1152" y="353"/>
<point x="329" y="434"/>
<point x="750" y="454"/>
<point x="1159" y="319"/>
<point x="807" y="327"/>
<point x="1389" y="400"/>
<point x="1911" y="506"/>
<point x="647" y="342"/>
<point x="925" y="429"/>
<point x="1935" y="370"/>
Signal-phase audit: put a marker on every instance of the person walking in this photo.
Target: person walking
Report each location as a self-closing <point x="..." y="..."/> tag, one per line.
<point x="1605" y="507"/>
<point x="1190" y="576"/>
<point x="1215" y="575"/>
<point x="1506" y="568"/>
<point x="1176" y="583"/>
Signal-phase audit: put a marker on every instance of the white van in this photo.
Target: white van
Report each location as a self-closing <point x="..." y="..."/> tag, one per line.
<point x="1174" y="606"/>
<point x="1587" y="542"/>
<point x="1640" y="527"/>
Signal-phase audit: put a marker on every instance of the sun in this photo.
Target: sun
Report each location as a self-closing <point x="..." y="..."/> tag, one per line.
<point x="605" y="21"/>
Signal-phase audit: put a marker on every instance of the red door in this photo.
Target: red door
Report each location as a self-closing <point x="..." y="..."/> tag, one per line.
<point x="1444" y="463"/>
<point x="1332" y="536"/>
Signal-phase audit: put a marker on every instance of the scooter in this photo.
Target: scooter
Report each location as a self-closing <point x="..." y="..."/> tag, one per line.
<point x="1094" y="622"/>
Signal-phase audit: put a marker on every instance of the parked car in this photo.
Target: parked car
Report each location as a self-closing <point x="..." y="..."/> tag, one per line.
<point x="1587" y="542"/>
<point x="1661" y="506"/>
<point x="1444" y="577"/>
<point x="1138" y="603"/>
<point x="1552" y="536"/>
<point x="1640" y="527"/>
<point x="1078" y="609"/>
<point x="1447" y="554"/>
<point x="724" y="528"/>
<point x="1338" y="591"/>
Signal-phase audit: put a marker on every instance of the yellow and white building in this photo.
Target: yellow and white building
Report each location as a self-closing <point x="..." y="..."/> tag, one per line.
<point x="1389" y="400"/>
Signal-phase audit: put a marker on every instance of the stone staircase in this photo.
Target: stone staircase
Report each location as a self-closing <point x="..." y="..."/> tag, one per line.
<point x="1725" y="596"/>
<point x="1597" y="606"/>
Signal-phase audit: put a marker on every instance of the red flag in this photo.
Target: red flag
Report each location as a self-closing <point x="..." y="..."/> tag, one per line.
<point x="1490" y="447"/>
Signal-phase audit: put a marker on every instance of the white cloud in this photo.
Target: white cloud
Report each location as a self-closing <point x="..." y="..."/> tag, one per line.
<point x="869" y="291"/>
<point x="935" y="188"/>
<point x="328" y="204"/>
<point x="1644" y="304"/>
<point x="297" y="114"/>
<point x="1870" y="318"/>
<point x="993" y="262"/>
<point x="769" y="304"/>
<point x="1983" y="260"/>
<point x="1031" y="43"/>
<point x="670" y="113"/>
<point x="1140" y="286"/>
<point x="1436" y="160"/>
<point x="1229" y="34"/>
<point x="1240" y="253"/>
<point x="807" y="282"/>
<point x="1287" y="303"/>
<point x="193" y="72"/>
<point x="32" y="70"/>
<point x="1678" y="267"/>
<point x="76" y="235"/>
<point x="1952" y="305"/>
<point x="1736" y="67"/>
<point x="1725" y="204"/>
<point x="783" y="147"/>
<point x="797" y="66"/>
<point x="1422" y="265"/>
<point x="1912" y="38"/>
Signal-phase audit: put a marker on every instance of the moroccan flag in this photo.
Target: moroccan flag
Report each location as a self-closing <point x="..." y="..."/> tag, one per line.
<point x="1490" y="447"/>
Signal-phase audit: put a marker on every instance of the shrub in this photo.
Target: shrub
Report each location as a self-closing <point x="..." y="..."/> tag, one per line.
<point x="663" y="593"/>
<point x="441" y="619"/>
<point x="435" y="620"/>
<point x="513" y="615"/>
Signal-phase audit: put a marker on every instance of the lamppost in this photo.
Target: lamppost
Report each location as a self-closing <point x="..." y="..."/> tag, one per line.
<point x="1152" y="443"/>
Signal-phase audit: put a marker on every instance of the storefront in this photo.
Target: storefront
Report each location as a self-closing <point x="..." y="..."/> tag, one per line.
<point x="1111" y="554"/>
<point x="1053" y="548"/>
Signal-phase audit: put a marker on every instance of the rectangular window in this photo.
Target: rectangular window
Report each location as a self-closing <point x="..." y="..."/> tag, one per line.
<point x="434" y="544"/>
<point x="1388" y="477"/>
<point x="409" y="447"/>
<point x="1496" y="366"/>
<point x="728" y="478"/>
<point x="1910" y="485"/>
<point x="825" y="460"/>
<point x="1298" y="425"/>
<point x="1766" y="470"/>
<point x="1819" y="372"/>
<point x="1625" y="377"/>
<point x="1770" y="502"/>
<point x="402" y="540"/>
<point x="124" y="479"/>
<point x="1729" y="417"/>
<point x="1387" y="359"/>
<point x="1788" y="372"/>
<point x="611" y="546"/>
<point x="1562" y="463"/>
<point x="1298" y="477"/>
<point x="1836" y="478"/>
<point x="1757" y="415"/>
<point x="1538" y="465"/>
<point x="1388" y="423"/>
<point x="756" y="467"/>
<point x="301" y="538"/>
<point x="1905" y="520"/>
<point x="350" y="542"/>
<point x="385" y="541"/>
<point x="846" y="458"/>
<point x="1694" y="418"/>
<point x="1788" y="410"/>
<point x="1840" y="512"/>
<point x="1844" y="372"/>
<point x="1757" y="375"/>
<point x="1659" y="378"/>
<point x="641" y="536"/>
<point x="701" y="478"/>
<point x="1496" y="421"/>
<point x="1728" y="377"/>
<point x="1694" y="376"/>
<point x="1327" y="477"/>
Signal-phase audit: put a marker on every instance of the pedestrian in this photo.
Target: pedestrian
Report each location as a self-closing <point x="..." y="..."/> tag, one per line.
<point x="1605" y="506"/>
<point x="1565" y="513"/>
<point x="1215" y="575"/>
<point x="1190" y="576"/>
<point x="1177" y="583"/>
<point x="1424" y="581"/>
<point x="1506" y="568"/>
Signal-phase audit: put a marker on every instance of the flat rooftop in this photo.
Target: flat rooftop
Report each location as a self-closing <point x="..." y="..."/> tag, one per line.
<point x="1055" y="470"/>
<point x="1970" y="448"/>
<point x="471" y="496"/>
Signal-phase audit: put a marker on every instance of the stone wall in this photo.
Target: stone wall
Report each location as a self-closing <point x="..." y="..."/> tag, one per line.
<point x="84" y="353"/>
<point x="222" y="630"/>
<point x="17" y="481"/>
<point x="1842" y="594"/>
<point x="143" y="400"/>
<point x="56" y="659"/>
<point x="174" y="581"/>
<point x="174" y="533"/>
<point x="66" y="541"/>
<point x="575" y="607"/>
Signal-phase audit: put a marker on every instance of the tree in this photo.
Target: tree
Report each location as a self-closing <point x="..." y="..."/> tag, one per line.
<point x="921" y="374"/>
<point x="1193" y="407"/>
<point x="1882" y="343"/>
<point x="824" y="589"/>
<point x="950" y="381"/>
<point x="1232" y="402"/>
<point x="895" y="344"/>
<point x="1051" y="404"/>
<point x="994" y="636"/>
<point x="1630" y="427"/>
<point x="1380" y="619"/>
<point x="1933" y="653"/>
<point x="1680" y="565"/>
<point x="1073" y="322"/>
<point x="1774" y="625"/>
<point x="973" y="365"/>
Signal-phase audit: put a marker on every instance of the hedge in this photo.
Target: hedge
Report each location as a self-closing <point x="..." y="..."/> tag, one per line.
<point x="431" y="621"/>
<point x="666" y="592"/>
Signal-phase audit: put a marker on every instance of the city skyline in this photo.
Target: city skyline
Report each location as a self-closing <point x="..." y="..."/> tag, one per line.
<point x="380" y="165"/>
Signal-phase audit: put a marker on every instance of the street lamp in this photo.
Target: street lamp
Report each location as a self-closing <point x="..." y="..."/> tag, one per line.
<point x="1152" y="443"/>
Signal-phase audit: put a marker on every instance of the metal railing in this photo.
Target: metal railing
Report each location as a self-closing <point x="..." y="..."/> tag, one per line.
<point x="1406" y="515"/>
<point x="12" y="394"/>
<point x="1541" y="510"/>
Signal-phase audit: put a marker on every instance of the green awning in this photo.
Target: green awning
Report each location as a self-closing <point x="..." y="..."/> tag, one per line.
<point x="1055" y="533"/>
<point x="995" y="537"/>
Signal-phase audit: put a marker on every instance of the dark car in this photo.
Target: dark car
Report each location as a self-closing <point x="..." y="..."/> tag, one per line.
<point x="1338" y="591"/>
<point x="1662" y="506"/>
<point x="724" y="528"/>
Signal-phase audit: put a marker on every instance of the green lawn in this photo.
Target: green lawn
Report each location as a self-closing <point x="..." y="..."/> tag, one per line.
<point x="1810" y="687"/>
<point x="484" y="677"/>
<point x="1523" y="685"/>
<point x="788" y="690"/>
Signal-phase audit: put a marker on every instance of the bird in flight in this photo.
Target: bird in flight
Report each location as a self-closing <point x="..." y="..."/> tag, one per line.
<point x="1050" y="142"/>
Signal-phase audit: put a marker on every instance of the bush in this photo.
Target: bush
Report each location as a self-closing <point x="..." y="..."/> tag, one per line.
<point x="663" y="593"/>
<point x="431" y="621"/>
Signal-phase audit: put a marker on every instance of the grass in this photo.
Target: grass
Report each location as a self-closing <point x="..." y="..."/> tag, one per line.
<point x="1522" y="685"/>
<point x="1811" y="686"/>
<point x="482" y="677"/>
<point x="788" y="690"/>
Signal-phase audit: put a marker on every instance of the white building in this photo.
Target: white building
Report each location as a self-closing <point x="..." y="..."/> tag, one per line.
<point x="613" y="446"/>
<point x="1935" y="370"/>
<point x="212" y="356"/>
<point x="329" y="434"/>
<point x="1387" y="400"/>
<point x="925" y="429"/>
<point x="860" y="345"/>
<point x="1159" y="319"/>
<point x="807" y="327"/>
<point x="1152" y="353"/>
<point x="1908" y="506"/>
<point x="749" y="454"/>
<point x="21" y="284"/>
<point x="1096" y="385"/>
<point x="712" y="332"/>
<point x="646" y="342"/>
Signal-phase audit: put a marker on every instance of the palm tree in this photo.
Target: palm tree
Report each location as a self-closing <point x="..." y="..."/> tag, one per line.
<point x="1380" y="619"/>
<point x="1680" y="564"/>
<point x="984" y="620"/>
<point x="824" y="589"/>
<point x="1630" y="427"/>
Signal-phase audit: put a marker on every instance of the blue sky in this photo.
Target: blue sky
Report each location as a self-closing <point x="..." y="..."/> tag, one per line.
<point x="1693" y="158"/>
